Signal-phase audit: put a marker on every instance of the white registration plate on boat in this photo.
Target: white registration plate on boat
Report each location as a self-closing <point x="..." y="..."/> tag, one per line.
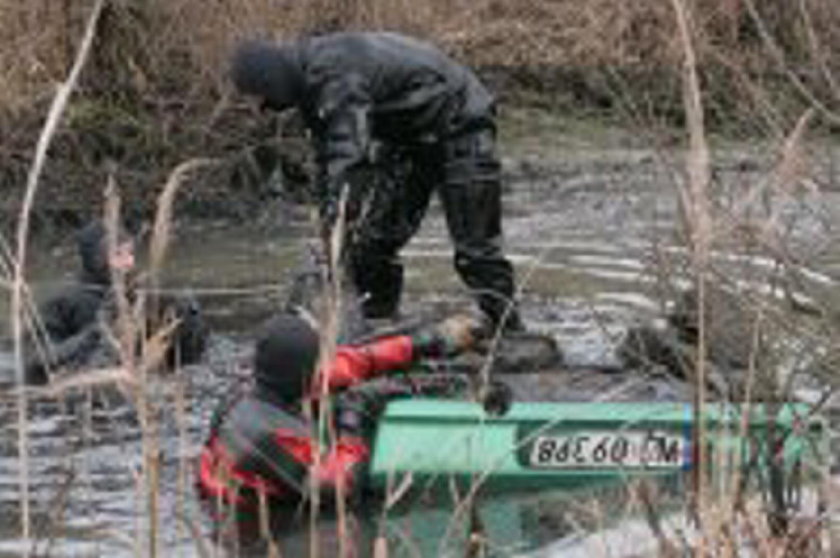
<point x="628" y="449"/>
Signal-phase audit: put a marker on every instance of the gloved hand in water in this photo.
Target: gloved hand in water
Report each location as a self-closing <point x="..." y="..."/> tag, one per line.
<point x="454" y="335"/>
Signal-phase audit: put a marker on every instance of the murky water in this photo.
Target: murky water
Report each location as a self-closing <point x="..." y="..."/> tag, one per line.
<point x="588" y="238"/>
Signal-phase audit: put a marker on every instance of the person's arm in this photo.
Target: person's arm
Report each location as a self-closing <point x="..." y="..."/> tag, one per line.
<point x="342" y="109"/>
<point x="63" y="342"/>
<point x="59" y="317"/>
<point x="354" y="364"/>
<point x="72" y="350"/>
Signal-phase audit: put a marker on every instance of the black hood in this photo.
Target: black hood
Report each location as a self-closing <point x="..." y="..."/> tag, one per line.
<point x="93" y="252"/>
<point x="269" y="71"/>
<point x="285" y="357"/>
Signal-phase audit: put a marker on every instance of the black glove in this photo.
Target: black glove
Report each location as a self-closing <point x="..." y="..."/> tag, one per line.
<point x="190" y="337"/>
<point x="497" y="399"/>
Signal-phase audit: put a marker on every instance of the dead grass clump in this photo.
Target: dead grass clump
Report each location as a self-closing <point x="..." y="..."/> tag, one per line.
<point x="155" y="91"/>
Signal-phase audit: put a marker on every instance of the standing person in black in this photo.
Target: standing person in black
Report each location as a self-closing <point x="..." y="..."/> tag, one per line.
<point x="355" y="88"/>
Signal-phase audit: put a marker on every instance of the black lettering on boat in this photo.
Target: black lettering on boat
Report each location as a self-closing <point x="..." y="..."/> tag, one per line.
<point x="619" y="450"/>
<point x="661" y="449"/>
<point x="545" y="450"/>
<point x="580" y="444"/>
<point x="670" y="450"/>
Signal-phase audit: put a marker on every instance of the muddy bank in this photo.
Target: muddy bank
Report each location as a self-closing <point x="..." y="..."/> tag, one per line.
<point x="256" y="163"/>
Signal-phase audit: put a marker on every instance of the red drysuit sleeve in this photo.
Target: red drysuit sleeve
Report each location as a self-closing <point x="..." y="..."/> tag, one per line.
<point x="353" y="364"/>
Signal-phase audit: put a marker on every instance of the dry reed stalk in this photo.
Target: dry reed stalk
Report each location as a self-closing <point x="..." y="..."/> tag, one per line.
<point x="202" y="548"/>
<point x="380" y="547"/>
<point x="484" y="372"/>
<point x="778" y="53"/>
<point x="139" y="510"/>
<point x="181" y="411"/>
<point x="393" y="494"/>
<point x="462" y="509"/>
<point x="818" y="51"/>
<point x="153" y="347"/>
<point x="328" y="327"/>
<point x="161" y="230"/>
<point x="787" y="172"/>
<point x="53" y="118"/>
<point x="87" y="379"/>
<point x="786" y="175"/>
<point x="127" y="331"/>
<point x="332" y="325"/>
<point x="33" y="323"/>
<point x="126" y="327"/>
<point x="644" y="492"/>
<point x="738" y="480"/>
<point x="131" y="322"/>
<point x="699" y="223"/>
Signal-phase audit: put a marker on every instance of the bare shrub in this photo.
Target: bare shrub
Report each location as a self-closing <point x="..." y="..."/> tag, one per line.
<point x="156" y="90"/>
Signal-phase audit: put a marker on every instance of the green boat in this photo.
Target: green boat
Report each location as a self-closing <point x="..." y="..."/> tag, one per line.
<point x="427" y="443"/>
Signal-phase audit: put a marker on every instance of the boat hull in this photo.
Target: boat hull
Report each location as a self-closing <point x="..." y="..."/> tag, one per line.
<point x="537" y="446"/>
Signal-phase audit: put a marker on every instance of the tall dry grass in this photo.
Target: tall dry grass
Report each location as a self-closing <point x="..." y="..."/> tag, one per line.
<point x="155" y="91"/>
<point x="17" y="313"/>
<point x="721" y="508"/>
<point x="695" y="204"/>
<point x="134" y="368"/>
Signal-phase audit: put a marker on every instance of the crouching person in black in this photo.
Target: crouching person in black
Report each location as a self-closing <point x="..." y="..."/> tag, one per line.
<point x="72" y="327"/>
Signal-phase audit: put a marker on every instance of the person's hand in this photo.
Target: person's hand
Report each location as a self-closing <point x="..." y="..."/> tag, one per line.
<point x="460" y="332"/>
<point x="497" y="399"/>
<point x="456" y="334"/>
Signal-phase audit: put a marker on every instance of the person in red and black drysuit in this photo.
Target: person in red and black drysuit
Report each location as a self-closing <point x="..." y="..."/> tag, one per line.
<point x="261" y="444"/>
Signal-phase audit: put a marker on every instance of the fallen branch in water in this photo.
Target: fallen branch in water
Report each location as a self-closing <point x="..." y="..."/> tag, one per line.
<point x="60" y="386"/>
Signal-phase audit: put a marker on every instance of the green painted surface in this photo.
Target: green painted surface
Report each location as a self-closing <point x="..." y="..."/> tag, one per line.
<point x="436" y="442"/>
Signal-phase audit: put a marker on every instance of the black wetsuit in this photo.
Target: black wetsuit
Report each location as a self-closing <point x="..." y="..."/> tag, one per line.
<point x="73" y="319"/>
<point x="437" y="123"/>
